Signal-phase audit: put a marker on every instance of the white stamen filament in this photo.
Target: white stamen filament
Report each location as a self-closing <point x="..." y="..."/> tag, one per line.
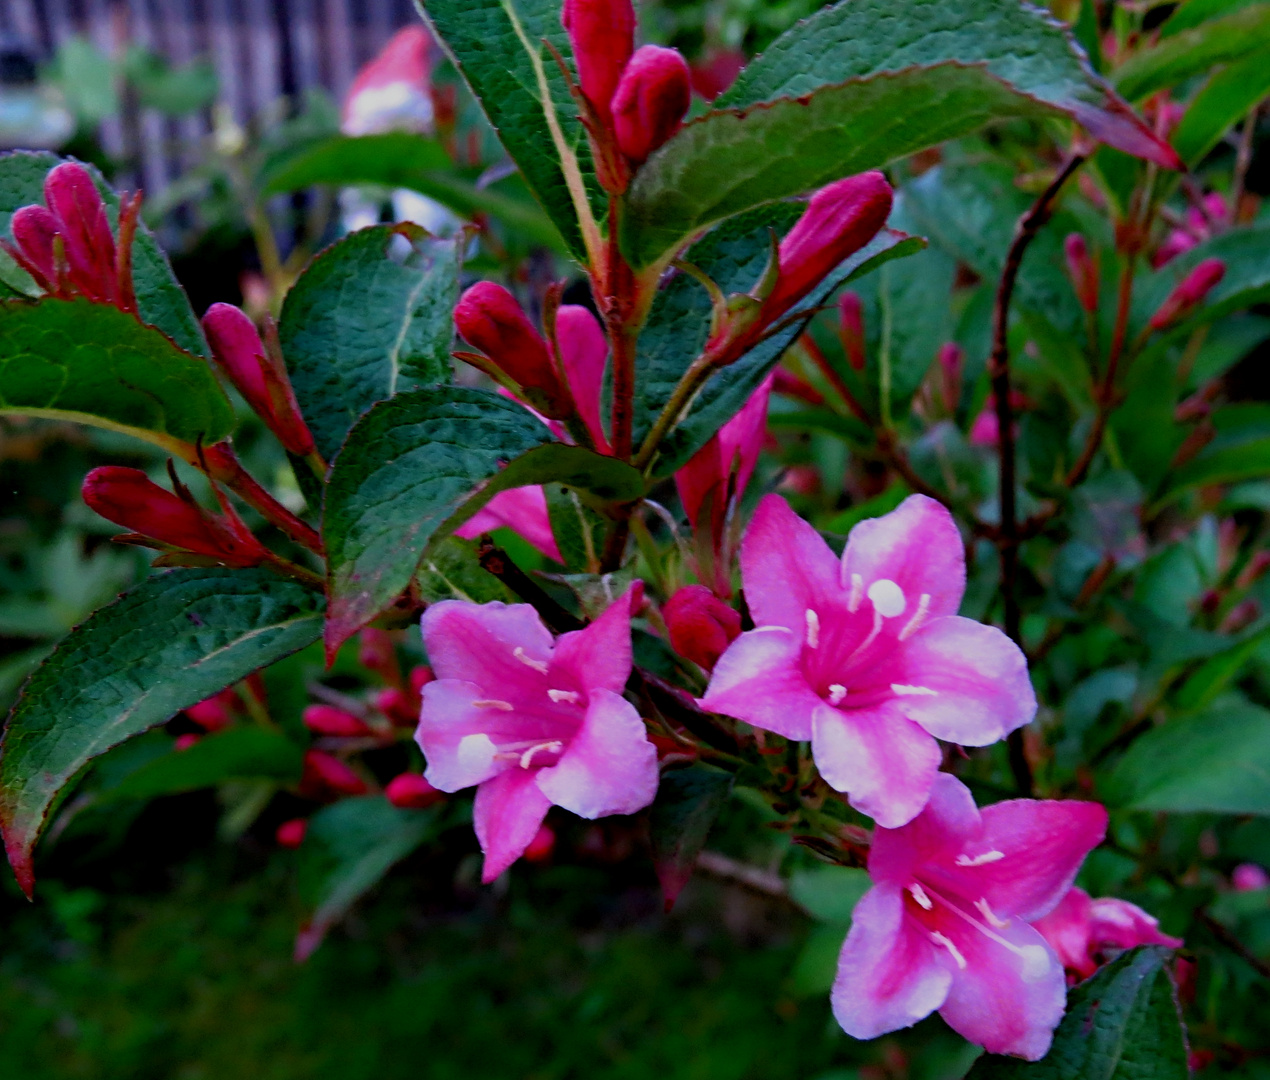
<point x="529" y="661"/>
<point x="836" y="693"/>
<point x="940" y="939"/>
<point x="877" y="629"/>
<point x="980" y="860"/>
<point x="493" y="703"/>
<point x="1036" y="959"/>
<point x="986" y="911"/>
<point x="919" y="617"/>
<point x="813" y="629"/>
<point x="888" y="598"/>
<point x="919" y="894"/>
<point x="905" y="690"/>
<point x="571" y="696"/>
<point x="857" y="593"/>
<point x="553" y="747"/>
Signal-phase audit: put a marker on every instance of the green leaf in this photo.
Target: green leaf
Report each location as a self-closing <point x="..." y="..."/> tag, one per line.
<point x="1122" y="1024"/>
<point x="161" y="301"/>
<point x="175" y="639"/>
<point x="94" y="364"/>
<point x="1240" y="451"/>
<point x="1192" y="52"/>
<point x="687" y="804"/>
<point x="1193" y="12"/>
<point x="578" y="530"/>
<point x="347" y="850"/>
<point x="1217" y="673"/>
<point x="489" y="42"/>
<point x="452" y="571"/>
<point x="1217" y="761"/>
<point x="362" y="325"/>
<point x="830" y="893"/>
<point x="858" y="85"/>
<point x="237" y="753"/>
<point x="1226" y="99"/>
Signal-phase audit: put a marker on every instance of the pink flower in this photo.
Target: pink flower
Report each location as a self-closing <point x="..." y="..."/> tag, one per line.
<point x="1249" y="877"/>
<point x="392" y="90"/>
<point x="716" y="71"/>
<point x="1081" y="930"/>
<point x="651" y="100"/>
<point x="523" y="510"/>
<point x="865" y="656"/>
<point x="532" y="721"/>
<point x="945" y="925"/>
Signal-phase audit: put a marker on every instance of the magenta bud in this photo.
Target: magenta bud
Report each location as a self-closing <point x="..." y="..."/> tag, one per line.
<point x="410" y="791"/>
<point x="851" y="325"/>
<point x="419" y="678"/>
<point x="329" y="720"/>
<point x="73" y="198"/>
<point x="1083" y="271"/>
<point x="701" y="625"/>
<point x="377" y="653"/>
<point x="1249" y="877"/>
<point x="398" y="707"/>
<point x="602" y="33"/>
<point x="325" y="774"/>
<point x="542" y="845"/>
<point x="184" y="742"/>
<point x="651" y="99"/>
<point x="34" y="229"/>
<point x="839" y="220"/>
<point x="489" y="318"/>
<point x="1191" y="292"/>
<point x="214" y="713"/>
<point x="290" y="834"/>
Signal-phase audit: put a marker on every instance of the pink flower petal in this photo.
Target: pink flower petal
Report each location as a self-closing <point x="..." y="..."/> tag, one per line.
<point x="882" y="760"/>
<point x="703" y="476"/>
<point x="1008" y="1000"/>
<point x="507" y="813"/>
<point x="890" y="975"/>
<point x="599" y="657"/>
<point x="948" y="822"/>
<point x="523" y="510"/>
<point x="759" y="679"/>
<point x="1066" y="928"/>
<point x="478" y="643"/>
<point x="610" y="767"/>
<point x="918" y="547"/>
<point x="979" y="677"/>
<point x="787" y="568"/>
<point x="584" y="351"/>
<point x="456" y="736"/>
<point x="1122" y="925"/>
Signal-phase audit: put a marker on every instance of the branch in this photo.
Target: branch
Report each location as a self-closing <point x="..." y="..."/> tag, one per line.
<point x="497" y="562"/>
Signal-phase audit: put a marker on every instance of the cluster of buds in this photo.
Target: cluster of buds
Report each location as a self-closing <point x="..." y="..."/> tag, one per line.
<point x="632" y="100"/>
<point x="174" y="523"/>
<point x="67" y="246"/>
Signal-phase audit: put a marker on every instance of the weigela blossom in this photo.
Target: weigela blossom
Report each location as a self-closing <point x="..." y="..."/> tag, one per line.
<point x="1086" y="932"/>
<point x="945" y="925"/>
<point x="865" y="655"/>
<point x="531" y="720"/>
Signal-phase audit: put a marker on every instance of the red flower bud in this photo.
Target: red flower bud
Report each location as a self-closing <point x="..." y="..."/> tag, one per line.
<point x="602" y="33"/>
<point x="1192" y="290"/>
<point x="542" y="845"/>
<point x="839" y="220"/>
<point x="701" y="625"/>
<point x="419" y="678"/>
<point x="328" y="720"/>
<point x="290" y="834"/>
<point x="324" y="774"/>
<point x="1083" y="271"/>
<point x="489" y="318"/>
<point x="410" y="791"/>
<point x="398" y="707"/>
<point x="651" y="100"/>
<point x="71" y="195"/>
<point x="214" y="713"/>
<point x="34" y="229"/>
<point x="260" y="378"/>
<point x="851" y="326"/>
<point x="129" y="498"/>
<point x="377" y="653"/>
<point x="184" y="742"/>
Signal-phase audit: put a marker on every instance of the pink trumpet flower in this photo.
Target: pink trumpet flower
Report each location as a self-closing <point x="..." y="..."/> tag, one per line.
<point x="945" y="925"/>
<point x="534" y="722"/>
<point x="1081" y="930"/>
<point x="865" y="656"/>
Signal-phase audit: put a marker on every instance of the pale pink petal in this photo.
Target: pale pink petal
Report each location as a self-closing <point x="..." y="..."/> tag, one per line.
<point x="598" y="657"/>
<point x="507" y="813"/>
<point x="882" y="760"/>
<point x="979" y="679"/>
<point x="609" y="767"/>
<point x="478" y="643"/>
<point x="948" y="823"/>
<point x="448" y="719"/>
<point x="890" y="974"/>
<point x="787" y="568"/>
<point x="918" y="547"/>
<point x="583" y="353"/>
<point x="1066" y="928"/>
<point x="1122" y="925"/>
<point x="1006" y="999"/>
<point x="759" y="679"/>
<point x="522" y="509"/>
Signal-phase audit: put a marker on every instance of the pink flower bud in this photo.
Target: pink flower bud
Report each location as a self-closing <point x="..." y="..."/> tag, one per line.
<point x="129" y="498"/>
<point x="262" y="381"/>
<point x="1083" y="271"/>
<point x="602" y="33"/>
<point x="851" y="326"/>
<point x="489" y="318"/>
<point x="419" y="678"/>
<point x="215" y="713"/>
<point x="34" y="228"/>
<point x="701" y="625"/>
<point x="1249" y="877"/>
<point x="328" y="720"/>
<point x="397" y="706"/>
<point x="716" y="71"/>
<point x="410" y="791"/>
<point x="71" y="195"/>
<point x="377" y="653"/>
<point x="184" y="742"/>
<point x="651" y="100"/>
<point x="542" y="845"/>
<point x="324" y="774"/>
<point x="1191" y="292"/>
<point x="839" y="220"/>
<point x="290" y="834"/>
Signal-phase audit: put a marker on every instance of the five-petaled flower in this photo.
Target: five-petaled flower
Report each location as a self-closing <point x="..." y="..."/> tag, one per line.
<point x="533" y="721"/>
<point x="945" y="925"/>
<point x="1086" y="932"/>
<point x="865" y="656"/>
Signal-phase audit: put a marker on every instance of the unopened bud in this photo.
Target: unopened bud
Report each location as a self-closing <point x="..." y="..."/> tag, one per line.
<point x="851" y="326"/>
<point x="1191" y="292"/>
<point x="1083" y="271"/>
<point x="184" y="742"/>
<point x="34" y="229"/>
<point x="398" y="707"/>
<point x="839" y="220"/>
<point x="419" y="678"/>
<point x="129" y="498"/>
<point x="214" y="713"/>
<point x="701" y="625"/>
<point x="69" y="192"/>
<point x="262" y="380"/>
<point x="290" y="834"/>
<point x="410" y="791"/>
<point x="1249" y="877"/>
<point x="542" y="845"/>
<point x="651" y="99"/>
<point x="325" y="774"/>
<point x="602" y="33"/>
<point x="1254" y="570"/>
<point x="329" y="720"/>
<point x="377" y="653"/>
